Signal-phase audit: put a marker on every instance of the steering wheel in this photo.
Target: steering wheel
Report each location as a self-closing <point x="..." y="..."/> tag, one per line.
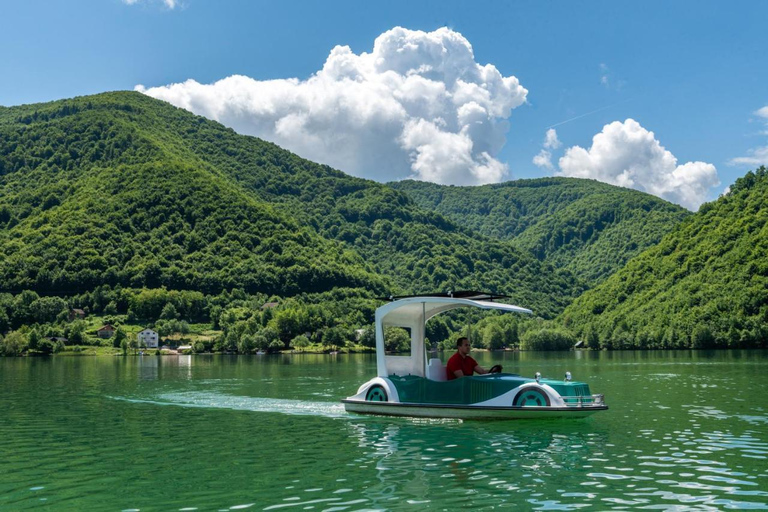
<point x="495" y="369"/>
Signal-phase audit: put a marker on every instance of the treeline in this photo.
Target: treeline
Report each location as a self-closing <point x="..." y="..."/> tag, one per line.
<point x="244" y="323"/>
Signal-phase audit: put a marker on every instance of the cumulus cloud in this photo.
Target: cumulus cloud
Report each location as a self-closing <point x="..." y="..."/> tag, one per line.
<point x="759" y="155"/>
<point x="418" y="105"/>
<point x="628" y="155"/>
<point x="544" y="158"/>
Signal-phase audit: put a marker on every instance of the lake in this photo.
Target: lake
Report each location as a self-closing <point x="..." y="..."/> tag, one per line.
<point x="686" y="430"/>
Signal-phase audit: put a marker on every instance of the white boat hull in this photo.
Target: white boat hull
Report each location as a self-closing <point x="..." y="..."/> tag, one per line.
<point x="467" y="412"/>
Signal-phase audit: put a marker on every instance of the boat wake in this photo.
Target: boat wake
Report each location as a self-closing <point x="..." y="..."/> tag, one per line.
<point x="210" y="400"/>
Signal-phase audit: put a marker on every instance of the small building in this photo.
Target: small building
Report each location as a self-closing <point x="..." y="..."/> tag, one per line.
<point x="76" y="313"/>
<point x="182" y="348"/>
<point x="149" y="338"/>
<point x="269" y="305"/>
<point x="56" y="339"/>
<point x="105" y="331"/>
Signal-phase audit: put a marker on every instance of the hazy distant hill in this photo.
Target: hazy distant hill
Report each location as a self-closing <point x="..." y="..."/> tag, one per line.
<point x="587" y="227"/>
<point x="123" y="189"/>
<point x="704" y="285"/>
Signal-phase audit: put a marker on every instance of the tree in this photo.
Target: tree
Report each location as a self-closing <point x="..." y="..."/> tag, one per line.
<point x="368" y="338"/>
<point x="300" y="342"/>
<point x="547" y="339"/>
<point x="511" y="335"/>
<point x="119" y="337"/>
<point x="111" y="308"/>
<point x="14" y="344"/>
<point x="396" y="339"/>
<point x="169" y="312"/>
<point x="493" y="337"/>
<point x="334" y="337"/>
<point x="592" y="339"/>
<point x="76" y="332"/>
<point x="246" y="343"/>
<point x="34" y="339"/>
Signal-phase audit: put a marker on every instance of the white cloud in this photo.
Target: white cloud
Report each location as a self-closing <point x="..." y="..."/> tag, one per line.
<point x="417" y="106"/>
<point x="170" y="4"/>
<point x="544" y="158"/>
<point x="628" y="155"/>
<point x="551" y="141"/>
<point x="759" y="155"/>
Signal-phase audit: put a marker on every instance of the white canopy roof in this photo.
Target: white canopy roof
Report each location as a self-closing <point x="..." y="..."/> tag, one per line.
<point x="412" y="313"/>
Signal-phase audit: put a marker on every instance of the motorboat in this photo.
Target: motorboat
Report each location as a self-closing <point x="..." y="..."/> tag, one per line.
<point x="417" y="386"/>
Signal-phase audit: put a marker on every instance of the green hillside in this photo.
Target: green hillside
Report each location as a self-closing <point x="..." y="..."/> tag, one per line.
<point x="704" y="285"/>
<point x="121" y="189"/>
<point x="589" y="228"/>
<point x="89" y="196"/>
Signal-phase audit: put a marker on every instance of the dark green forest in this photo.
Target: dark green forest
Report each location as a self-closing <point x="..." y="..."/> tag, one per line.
<point x="141" y="213"/>
<point x="705" y="285"/>
<point x="121" y="193"/>
<point x="587" y="227"/>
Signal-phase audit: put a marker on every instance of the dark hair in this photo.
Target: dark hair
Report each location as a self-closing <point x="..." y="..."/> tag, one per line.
<point x="460" y="340"/>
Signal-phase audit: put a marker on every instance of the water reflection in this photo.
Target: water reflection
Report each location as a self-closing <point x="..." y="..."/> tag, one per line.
<point x="462" y="463"/>
<point x="148" y="367"/>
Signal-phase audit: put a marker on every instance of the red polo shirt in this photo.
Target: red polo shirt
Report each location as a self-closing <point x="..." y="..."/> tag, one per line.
<point x="465" y="364"/>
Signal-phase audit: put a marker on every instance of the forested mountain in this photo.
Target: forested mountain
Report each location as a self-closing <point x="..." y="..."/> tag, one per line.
<point x="121" y="189"/>
<point x="590" y="228"/>
<point x="704" y="285"/>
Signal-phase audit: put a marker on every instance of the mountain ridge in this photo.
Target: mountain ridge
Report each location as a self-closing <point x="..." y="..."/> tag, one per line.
<point x="585" y="226"/>
<point x="364" y="233"/>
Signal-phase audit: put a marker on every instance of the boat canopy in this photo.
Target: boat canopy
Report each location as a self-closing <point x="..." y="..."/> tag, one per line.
<point x="412" y="313"/>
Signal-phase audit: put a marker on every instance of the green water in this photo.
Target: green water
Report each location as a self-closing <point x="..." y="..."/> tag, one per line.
<point x="686" y="431"/>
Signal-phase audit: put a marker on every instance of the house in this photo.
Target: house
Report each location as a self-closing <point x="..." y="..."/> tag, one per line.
<point x="76" y="313"/>
<point x="106" y="331"/>
<point x="149" y="338"/>
<point x="269" y="305"/>
<point x="184" y="348"/>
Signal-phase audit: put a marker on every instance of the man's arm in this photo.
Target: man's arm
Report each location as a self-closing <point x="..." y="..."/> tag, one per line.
<point x="458" y="373"/>
<point x="479" y="369"/>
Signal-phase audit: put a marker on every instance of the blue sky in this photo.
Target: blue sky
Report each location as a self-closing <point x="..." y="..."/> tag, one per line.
<point x="690" y="76"/>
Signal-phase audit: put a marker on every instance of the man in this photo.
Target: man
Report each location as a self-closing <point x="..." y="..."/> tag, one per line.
<point x="460" y="363"/>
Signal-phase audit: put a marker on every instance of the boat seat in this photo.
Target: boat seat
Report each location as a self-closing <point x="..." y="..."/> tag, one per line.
<point x="436" y="370"/>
